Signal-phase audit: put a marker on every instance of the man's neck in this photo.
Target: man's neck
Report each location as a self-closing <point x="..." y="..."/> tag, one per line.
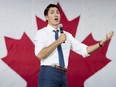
<point x="54" y="26"/>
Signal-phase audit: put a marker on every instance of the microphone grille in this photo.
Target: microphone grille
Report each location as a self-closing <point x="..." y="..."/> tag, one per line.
<point x="60" y="25"/>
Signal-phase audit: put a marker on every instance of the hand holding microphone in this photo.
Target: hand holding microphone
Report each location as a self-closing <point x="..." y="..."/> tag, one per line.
<point x="61" y="28"/>
<point x="63" y="35"/>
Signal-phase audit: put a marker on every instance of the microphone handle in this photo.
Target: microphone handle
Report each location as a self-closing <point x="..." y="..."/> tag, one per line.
<point x="61" y="31"/>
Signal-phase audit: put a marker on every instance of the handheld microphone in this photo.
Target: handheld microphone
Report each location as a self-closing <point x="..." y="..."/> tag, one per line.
<point x="61" y="29"/>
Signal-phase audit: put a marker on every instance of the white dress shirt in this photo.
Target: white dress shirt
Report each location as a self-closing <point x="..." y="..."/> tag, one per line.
<point x="46" y="36"/>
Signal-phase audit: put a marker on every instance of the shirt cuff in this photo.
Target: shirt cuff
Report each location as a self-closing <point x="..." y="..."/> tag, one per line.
<point x="85" y="53"/>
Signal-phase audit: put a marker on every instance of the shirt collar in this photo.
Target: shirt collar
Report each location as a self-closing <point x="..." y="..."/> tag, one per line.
<point x="50" y="28"/>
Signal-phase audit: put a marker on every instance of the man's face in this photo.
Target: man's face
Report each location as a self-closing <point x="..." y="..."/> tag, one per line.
<point x="53" y="16"/>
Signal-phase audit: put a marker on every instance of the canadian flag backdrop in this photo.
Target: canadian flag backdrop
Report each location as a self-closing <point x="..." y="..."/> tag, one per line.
<point x="87" y="20"/>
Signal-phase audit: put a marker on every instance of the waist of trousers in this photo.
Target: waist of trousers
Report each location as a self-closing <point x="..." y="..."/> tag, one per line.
<point x="56" y="67"/>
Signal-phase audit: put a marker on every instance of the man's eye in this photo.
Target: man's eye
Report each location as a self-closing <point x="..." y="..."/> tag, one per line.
<point x="52" y="12"/>
<point x="58" y="12"/>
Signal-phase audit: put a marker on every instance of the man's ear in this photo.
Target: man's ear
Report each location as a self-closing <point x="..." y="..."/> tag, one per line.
<point x="46" y="17"/>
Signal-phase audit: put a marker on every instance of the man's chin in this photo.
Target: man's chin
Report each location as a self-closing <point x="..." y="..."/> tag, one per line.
<point x="56" y="24"/>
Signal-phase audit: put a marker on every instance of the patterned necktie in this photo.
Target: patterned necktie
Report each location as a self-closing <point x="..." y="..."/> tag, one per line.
<point x="60" y="53"/>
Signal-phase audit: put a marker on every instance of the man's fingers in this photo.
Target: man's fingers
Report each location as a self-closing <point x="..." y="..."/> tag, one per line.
<point x="109" y="35"/>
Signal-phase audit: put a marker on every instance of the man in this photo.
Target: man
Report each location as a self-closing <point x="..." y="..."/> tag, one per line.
<point x="49" y="48"/>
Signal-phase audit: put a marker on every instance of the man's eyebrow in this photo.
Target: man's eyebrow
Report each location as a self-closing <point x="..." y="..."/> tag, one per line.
<point x="51" y="10"/>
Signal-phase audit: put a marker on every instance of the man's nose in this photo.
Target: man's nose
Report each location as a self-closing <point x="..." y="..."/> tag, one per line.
<point x="56" y="14"/>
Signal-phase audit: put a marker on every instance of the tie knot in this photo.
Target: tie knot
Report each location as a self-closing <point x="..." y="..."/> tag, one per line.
<point x="56" y="34"/>
<point x="56" y="31"/>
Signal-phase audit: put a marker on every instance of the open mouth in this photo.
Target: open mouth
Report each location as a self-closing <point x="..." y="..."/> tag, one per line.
<point x="56" y="19"/>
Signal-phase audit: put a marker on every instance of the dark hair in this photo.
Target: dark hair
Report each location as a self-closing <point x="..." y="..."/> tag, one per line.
<point x="48" y="7"/>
